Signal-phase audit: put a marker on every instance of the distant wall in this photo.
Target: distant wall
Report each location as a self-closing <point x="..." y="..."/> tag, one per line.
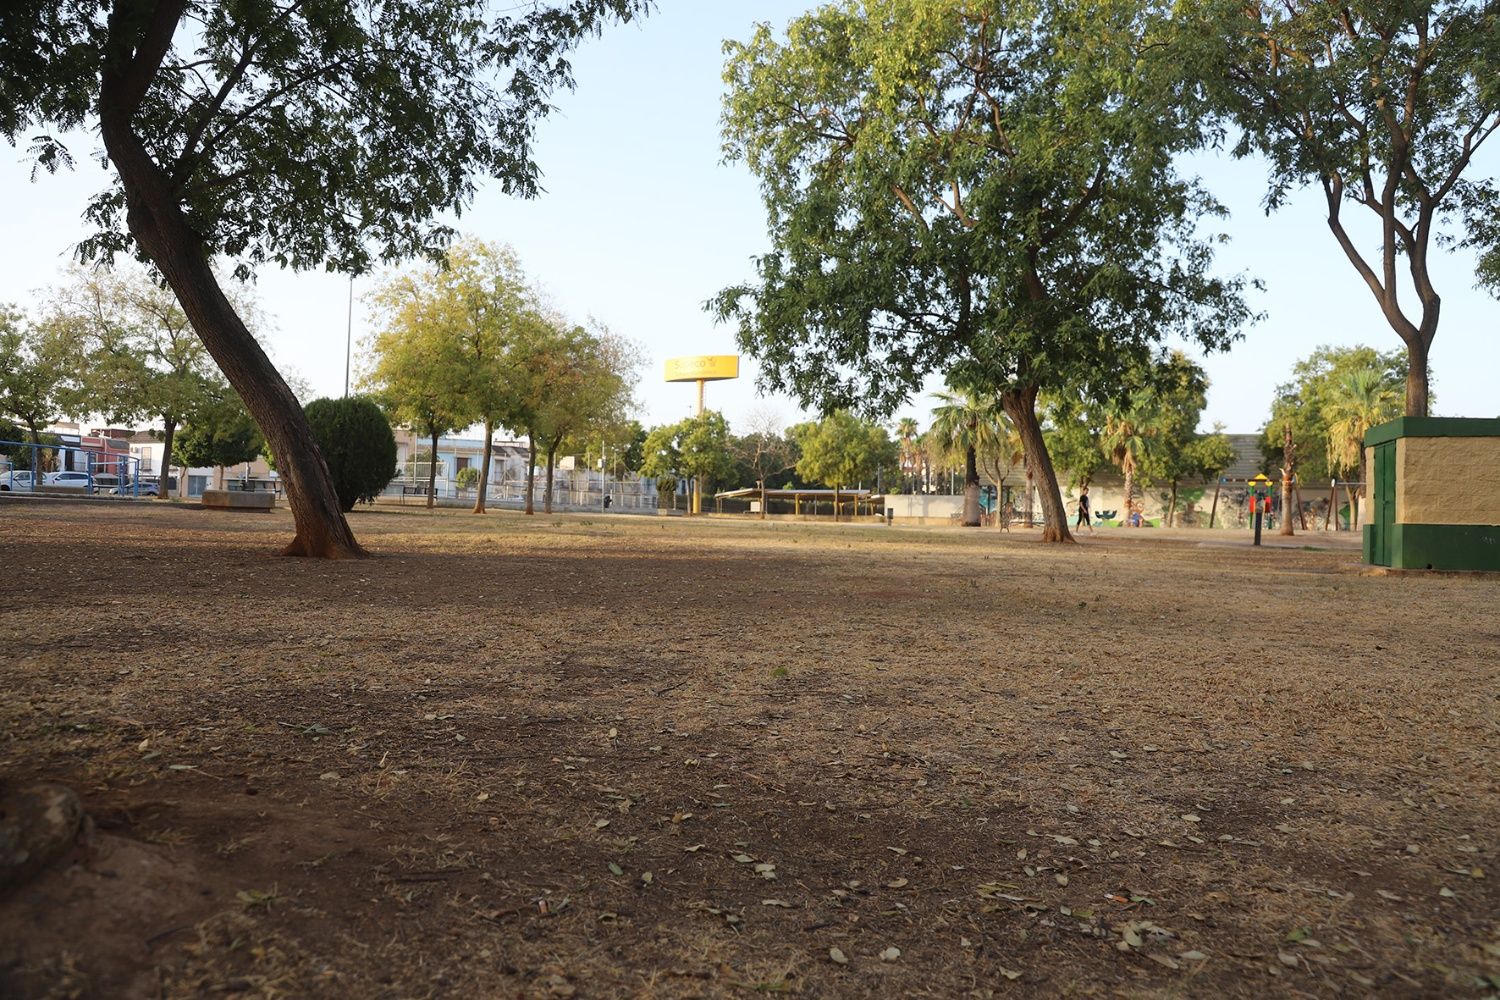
<point x="922" y="506"/>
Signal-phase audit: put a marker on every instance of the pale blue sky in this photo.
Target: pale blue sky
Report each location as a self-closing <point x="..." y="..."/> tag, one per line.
<point x="641" y="223"/>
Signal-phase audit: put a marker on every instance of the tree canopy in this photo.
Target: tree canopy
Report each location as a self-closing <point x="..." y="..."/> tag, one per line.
<point x="1308" y="403"/>
<point x="985" y="190"/>
<point x="325" y="133"/>
<point x="1382" y="105"/>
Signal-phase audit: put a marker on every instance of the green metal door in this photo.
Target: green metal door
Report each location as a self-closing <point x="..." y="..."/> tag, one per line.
<point x="1383" y="502"/>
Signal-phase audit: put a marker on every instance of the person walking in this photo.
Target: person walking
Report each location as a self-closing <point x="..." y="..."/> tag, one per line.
<point x="1083" y="510"/>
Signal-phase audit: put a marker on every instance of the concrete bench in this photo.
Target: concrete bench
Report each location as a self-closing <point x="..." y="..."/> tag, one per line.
<point x="239" y="499"/>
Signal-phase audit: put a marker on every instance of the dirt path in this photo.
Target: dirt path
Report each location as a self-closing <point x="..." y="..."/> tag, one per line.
<point x="607" y="756"/>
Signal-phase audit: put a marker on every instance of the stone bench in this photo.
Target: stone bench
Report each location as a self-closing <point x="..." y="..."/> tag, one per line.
<point x="239" y="499"/>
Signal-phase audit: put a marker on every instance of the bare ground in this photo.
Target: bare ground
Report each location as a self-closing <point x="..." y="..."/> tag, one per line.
<point x="616" y="756"/>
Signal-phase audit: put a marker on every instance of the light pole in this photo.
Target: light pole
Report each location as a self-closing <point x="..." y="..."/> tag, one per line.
<point x="349" y="337"/>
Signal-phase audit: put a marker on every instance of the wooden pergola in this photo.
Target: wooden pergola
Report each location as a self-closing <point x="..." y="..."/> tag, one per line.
<point x="843" y="498"/>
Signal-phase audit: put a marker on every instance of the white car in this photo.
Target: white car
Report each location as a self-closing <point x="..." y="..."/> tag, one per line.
<point x="20" y="480"/>
<point x="80" y="479"/>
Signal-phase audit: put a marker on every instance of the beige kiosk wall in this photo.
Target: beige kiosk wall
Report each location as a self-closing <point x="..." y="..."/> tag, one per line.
<point x="1446" y="480"/>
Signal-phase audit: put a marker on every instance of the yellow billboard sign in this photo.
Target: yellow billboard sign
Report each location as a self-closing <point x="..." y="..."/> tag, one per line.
<point x="703" y="368"/>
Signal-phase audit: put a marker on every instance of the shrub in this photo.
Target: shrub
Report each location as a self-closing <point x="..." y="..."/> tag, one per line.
<point x="468" y="477"/>
<point x="356" y="440"/>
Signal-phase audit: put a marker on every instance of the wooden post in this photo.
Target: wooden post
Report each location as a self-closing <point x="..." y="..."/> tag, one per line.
<point x="1212" y="511"/>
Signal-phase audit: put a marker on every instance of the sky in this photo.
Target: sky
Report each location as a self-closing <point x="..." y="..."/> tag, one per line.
<point x="641" y="222"/>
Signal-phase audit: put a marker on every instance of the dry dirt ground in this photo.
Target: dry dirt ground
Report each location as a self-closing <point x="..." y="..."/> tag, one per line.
<point x="615" y="756"/>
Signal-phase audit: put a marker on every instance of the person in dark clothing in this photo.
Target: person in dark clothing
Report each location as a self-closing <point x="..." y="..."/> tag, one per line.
<point x="1083" y="510"/>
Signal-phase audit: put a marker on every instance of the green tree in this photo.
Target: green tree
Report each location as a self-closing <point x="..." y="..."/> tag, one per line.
<point x="970" y="424"/>
<point x="1358" y="400"/>
<point x="908" y="433"/>
<point x="590" y="382"/>
<point x="217" y="433"/>
<point x="842" y="450"/>
<point x="461" y="322"/>
<point x="1305" y="401"/>
<point x="356" y="440"/>
<point x="406" y="377"/>
<point x="1129" y="439"/>
<point x="133" y="351"/>
<point x="1385" y="107"/>
<point x="985" y="190"/>
<point x="696" y="448"/>
<point x="32" y="372"/>
<point x="324" y="133"/>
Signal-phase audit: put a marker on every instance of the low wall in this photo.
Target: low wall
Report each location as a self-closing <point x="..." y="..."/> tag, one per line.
<point x="239" y="499"/>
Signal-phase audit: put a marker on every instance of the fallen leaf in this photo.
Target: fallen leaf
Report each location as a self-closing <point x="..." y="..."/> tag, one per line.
<point x="616" y="869"/>
<point x="890" y="954"/>
<point x="1287" y="958"/>
<point x="775" y="902"/>
<point x="896" y="883"/>
<point x="1191" y="818"/>
<point x="743" y="858"/>
<point x="646" y="877"/>
<point x="1007" y="973"/>
<point x="600" y="824"/>
<point x="838" y="956"/>
<point x="695" y="848"/>
<point x="1166" y="960"/>
<point x="1192" y="956"/>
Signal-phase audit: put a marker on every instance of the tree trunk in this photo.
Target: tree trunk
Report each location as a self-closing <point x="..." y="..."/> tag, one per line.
<point x="1416" y="375"/>
<point x="835" y="503"/>
<point x="164" y="477"/>
<point x="161" y="230"/>
<point x="1288" y="473"/>
<point x="530" y="474"/>
<point x="1020" y="406"/>
<point x="1172" y="508"/>
<point x="484" y="471"/>
<point x="1129" y="470"/>
<point x="432" y="470"/>
<point x="551" y="458"/>
<point x="972" y="513"/>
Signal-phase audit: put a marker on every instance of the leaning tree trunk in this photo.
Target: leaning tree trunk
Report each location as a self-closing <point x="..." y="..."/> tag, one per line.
<point x="484" y="471"/>
<point x="160" y="228"/>
<point x="1129" y="470"/>
<point x="1020" y="406"/>
<point x="972" y="517"/>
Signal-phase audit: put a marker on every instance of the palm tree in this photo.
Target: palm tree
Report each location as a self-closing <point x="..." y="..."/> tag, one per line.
<point x="1359" y="401"/>
<point x="908" y="431"/>
<point x="967" y="423"/>
<point x="1129" y="432"/>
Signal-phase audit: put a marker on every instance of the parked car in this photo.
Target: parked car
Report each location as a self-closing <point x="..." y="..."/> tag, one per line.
<point x="105" y="482"/>
<point x="20" y="480"/>
<point x="146" y="488"/>
<point x="67" y="479"/>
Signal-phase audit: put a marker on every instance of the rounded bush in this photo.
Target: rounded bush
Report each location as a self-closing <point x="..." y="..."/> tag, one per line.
<point x="356" y="440"/>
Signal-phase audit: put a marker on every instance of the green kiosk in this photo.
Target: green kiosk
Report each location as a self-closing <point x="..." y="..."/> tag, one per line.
<point x="1434" y="494"/>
